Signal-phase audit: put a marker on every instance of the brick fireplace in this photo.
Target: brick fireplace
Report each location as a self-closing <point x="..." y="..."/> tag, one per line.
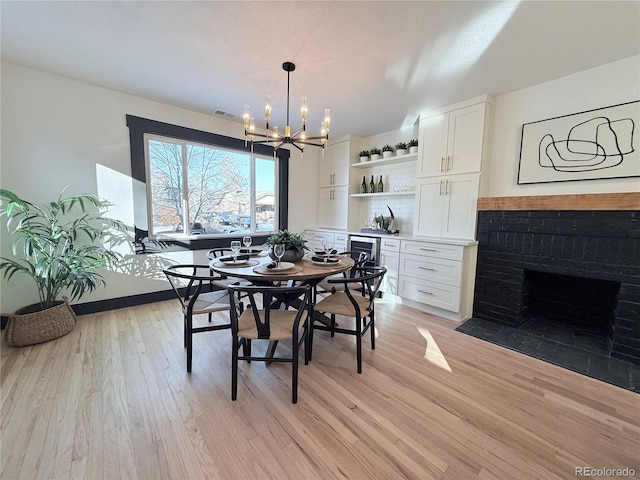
<point x="579" y="268"/>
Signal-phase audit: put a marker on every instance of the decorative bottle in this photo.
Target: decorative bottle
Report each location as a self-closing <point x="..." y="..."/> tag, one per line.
<point x="380" y="185"/>
<point x="372" y="186"/>
<point x="363" y="188"/>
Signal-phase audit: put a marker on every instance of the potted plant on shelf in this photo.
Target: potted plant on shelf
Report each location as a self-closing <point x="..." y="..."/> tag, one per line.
<point x="364" y="156"/>
<point x="387" y="151"/>
<point x="401" y="148"/>
<point x="61" y="246"/>
<point x="413" y="145"/>
<point x="375" y="153"/>
<point x="293" y="242"/>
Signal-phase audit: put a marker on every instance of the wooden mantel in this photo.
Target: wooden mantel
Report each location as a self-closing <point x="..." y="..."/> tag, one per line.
<point x="596" y="201"/>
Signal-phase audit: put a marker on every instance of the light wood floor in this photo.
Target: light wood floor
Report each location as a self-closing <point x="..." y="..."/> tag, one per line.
<point x="113" y="400"/>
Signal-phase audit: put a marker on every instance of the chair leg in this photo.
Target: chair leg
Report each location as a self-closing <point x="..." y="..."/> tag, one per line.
<point x="189" y="335"/>
<point x="247" y="353"/>
<point x="372" y="327"/>
<point x="234" y="367"/>
<point x="294" y="369"/>
<point x="359" y="344"/>
<point x="184" y="329"/>
<point x="333" y="324"/>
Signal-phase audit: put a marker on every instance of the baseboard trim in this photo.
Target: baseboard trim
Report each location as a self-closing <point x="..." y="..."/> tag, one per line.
<point x="122" y="302"/>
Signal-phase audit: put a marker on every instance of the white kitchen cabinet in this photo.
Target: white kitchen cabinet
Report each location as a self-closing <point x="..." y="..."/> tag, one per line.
<point x="446" y="206"/>
<point x="332" y="208"/>
<point x="390" y="258"/>
<point x="452" y="142"/>
<point x="334" y="165"/>
<point x="315" y="238"/>
<point x="438" y="276"/>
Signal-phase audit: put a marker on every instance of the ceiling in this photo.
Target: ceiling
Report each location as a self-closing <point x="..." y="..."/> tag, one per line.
<point x="377" y="65"/>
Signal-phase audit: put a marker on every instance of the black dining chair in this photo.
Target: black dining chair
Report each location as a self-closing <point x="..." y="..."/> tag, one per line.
<point x="194" y="285"/>
<point x="355" y="299"/>
<point x="324" y="288"/>
<point x="263" y="319"/>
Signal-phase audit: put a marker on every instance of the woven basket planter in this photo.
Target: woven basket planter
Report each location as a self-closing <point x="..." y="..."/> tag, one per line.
<point x="27" y="326"/>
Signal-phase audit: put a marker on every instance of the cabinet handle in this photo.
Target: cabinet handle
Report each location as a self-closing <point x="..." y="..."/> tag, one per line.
<point x="446" y="187"/>
<point x="428" y="249"/>
<point x="427" y="268"/>
<point x="389" y="244"/>
<point x="442" y="167"/>
<point x="424" y="291"/>
<point x="448" y="163"/>
<point x="440" y="190"/>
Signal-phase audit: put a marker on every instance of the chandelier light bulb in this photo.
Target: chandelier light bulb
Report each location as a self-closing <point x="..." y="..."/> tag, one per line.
<point x="246" y="116"/>
<point x="303" y="110"/>
<point x="267" y="110"/>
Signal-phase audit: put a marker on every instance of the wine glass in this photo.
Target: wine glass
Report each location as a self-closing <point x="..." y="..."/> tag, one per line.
<point x="235" y="247"/>
<point x="246" y="241"/>
<point x="327" y="246"/>
<point x="278" y="250"/>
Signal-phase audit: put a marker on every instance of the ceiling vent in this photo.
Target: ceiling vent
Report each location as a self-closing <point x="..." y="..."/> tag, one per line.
<point x="222" y="113"/>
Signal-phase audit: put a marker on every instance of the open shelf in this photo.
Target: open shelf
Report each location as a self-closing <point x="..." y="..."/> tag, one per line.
<point x="383" y="194"/>
<point x="386" y="161"/>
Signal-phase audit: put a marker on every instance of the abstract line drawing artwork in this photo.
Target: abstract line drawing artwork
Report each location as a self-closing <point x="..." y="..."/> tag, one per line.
<point x="591" y="145"/>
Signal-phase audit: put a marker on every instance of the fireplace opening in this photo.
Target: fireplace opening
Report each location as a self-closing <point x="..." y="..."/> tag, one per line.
<point x="574" y="310"/>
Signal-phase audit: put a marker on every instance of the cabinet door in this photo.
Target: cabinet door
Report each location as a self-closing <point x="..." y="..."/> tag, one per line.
<point x="341" y="159"/>
<point x="325" y="208"/>
<point x="391" y="260"/>
<point x="432" y="145"/>
<point x="429" y="206"/>
<point x="464" y="139"/>
<point x="340" y="207"/>
<point x="334" y="165"/>
<point x="459" y="217"/>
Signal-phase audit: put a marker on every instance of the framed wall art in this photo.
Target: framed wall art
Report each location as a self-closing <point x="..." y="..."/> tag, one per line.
<point x="591" y="145"/>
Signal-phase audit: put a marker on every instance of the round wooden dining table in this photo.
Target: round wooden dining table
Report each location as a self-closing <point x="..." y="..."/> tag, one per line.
<point x="303" y="271"/>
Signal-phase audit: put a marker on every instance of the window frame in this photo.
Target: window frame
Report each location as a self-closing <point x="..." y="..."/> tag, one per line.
<point x="139" y="126"/>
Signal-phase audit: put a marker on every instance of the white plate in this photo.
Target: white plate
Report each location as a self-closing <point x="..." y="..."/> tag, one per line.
<point x="325" y="264"/>
<point x="283" y="266"/>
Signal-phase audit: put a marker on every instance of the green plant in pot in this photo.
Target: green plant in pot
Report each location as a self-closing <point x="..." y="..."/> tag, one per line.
<point x="294" y="244"/>
<point x="61" y="247"/>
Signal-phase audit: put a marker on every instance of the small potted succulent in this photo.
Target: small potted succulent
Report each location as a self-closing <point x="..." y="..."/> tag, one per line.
<point x="413" y="145"/>
<point x="293" y="242"/>
<point x="364" y="156"/>
<point x="375" y="153"/>
<point x="387" y="151"/>
<point x="401" y="148"/>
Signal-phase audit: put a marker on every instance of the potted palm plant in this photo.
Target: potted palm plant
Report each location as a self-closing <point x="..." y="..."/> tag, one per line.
<point x="413" y="145"/>
<point x="364" y="156"/>
<point x="294" y="245"/>
<point x="60" y="247"/>
<point x="387" y="151"/>
<point x="375" y="153"/>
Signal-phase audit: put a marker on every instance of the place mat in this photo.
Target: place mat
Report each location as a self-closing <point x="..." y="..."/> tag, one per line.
<point x="248" y="263"/>
<point x="266" y="271"/>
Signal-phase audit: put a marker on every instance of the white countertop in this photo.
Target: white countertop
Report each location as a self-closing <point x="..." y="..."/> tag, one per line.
<point x="403" y="236"/>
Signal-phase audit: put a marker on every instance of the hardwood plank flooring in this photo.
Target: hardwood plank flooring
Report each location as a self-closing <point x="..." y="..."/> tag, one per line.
<point x="112" y="400"/>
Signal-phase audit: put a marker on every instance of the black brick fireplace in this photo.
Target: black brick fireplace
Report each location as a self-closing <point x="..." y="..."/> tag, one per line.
<point x="582" y="267"/>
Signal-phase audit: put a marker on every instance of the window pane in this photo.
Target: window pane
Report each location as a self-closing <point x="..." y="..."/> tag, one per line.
<point x="219" y="186"/>
<point x="165" y="175"/>
<point x="265" y="195"/>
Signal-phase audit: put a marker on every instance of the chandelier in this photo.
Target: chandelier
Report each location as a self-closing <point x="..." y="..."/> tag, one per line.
<point x="274" y="136"/>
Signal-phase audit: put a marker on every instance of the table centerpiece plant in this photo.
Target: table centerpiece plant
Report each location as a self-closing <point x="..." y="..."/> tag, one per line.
<point x="294" y="244"/>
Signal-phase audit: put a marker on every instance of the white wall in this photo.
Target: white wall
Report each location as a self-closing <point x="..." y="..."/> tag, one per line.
<point x="610" y="84"/>
<point x="57" y="132"/>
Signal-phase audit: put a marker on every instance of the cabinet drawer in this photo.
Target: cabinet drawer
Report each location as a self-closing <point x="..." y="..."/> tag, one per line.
<point x="390" y="244"/>
<point x="341" y="241"/>
<point x="432" y="249"/>
<point x="431" y="268"/>
<point x="436" y="294"/>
